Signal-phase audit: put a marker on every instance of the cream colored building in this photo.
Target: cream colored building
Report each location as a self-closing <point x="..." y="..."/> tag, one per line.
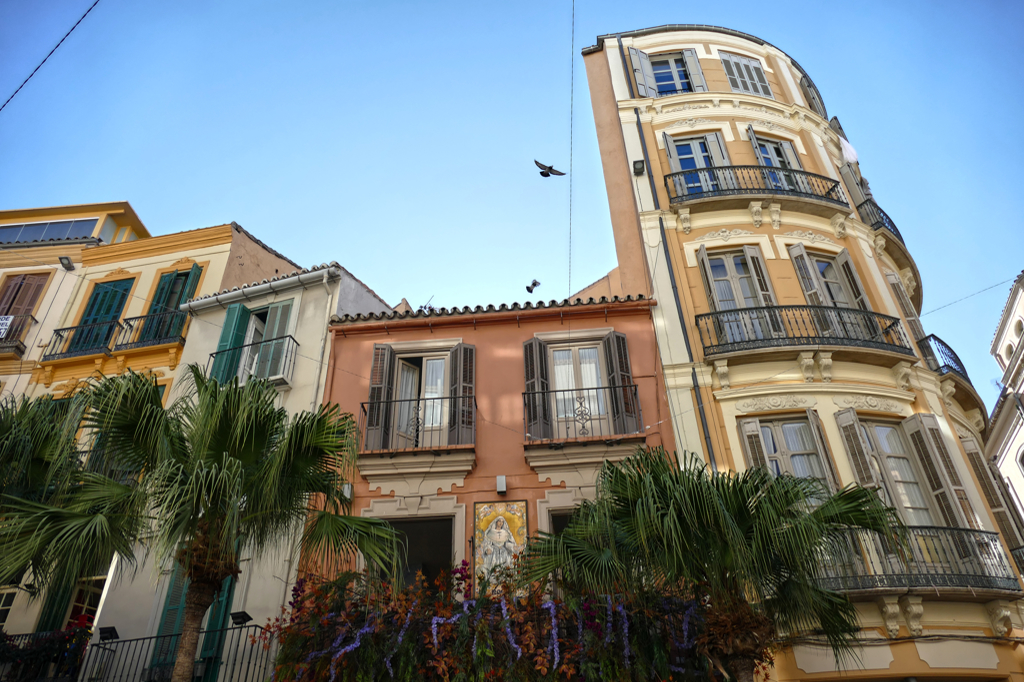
<point x="789" y="333"/>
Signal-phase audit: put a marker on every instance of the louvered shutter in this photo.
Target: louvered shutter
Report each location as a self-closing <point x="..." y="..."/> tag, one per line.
<point x="762" y="283"/>
<point x="845" y="265"/>
<point x="694" y="71"/>
<point x="853" y="189"/>
<point x="824" y="452"/>
<point x="537" y="396"/>
<point x="11" y="288"/>
<point x="55" y="608"/>
<point x="993" y="495"/>
<point x="753" y="446"/>
<point x="379" y="409"/>
<point x="160" y="303"/>
<point x="755" y="143"/>
<point x="943" y="479"/>
<point x="28" y="295"/>
<point x="792" y="158"/>
<point x="191" y="284"/>
<point x="232" y="336"/>
<point x="270" y="361"/>
<point x="154" y="327"/>
<point x="705" y="276"/>
<point x="720" y="159"/>
<point x="857" y="449"/>
<point x="171" y="618"/>
<point x="461" y="412"/>
<point x="643" y="73"/>
<point x="906" y="306"/>
<point x="216" y="622"/>
<point x="813" y="97"/>
<point x="625" y="413"/>
<point x="106" y="303"/>
<point x="754" y="66"/>
<point x="808" y="275"/>
<point x="673" y="155"/>
<point x="1008" y="504"/>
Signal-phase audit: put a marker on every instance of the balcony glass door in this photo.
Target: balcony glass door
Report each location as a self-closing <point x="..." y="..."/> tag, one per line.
<point x="580" y="408"/>
<point x="734" y="288"/>
<point x="694" y="156"/>
<point x="270" y="354"/>
<point x="421" y="405"/>
<point x="104" y="308"/>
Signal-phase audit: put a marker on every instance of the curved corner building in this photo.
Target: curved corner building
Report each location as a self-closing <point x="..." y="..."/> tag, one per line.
<point x="788" y="328"/>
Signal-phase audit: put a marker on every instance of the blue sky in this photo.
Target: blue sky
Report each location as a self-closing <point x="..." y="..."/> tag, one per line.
<point x="398" y="138"/>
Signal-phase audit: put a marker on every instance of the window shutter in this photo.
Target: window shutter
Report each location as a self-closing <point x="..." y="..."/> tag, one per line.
<point x="693" y="70"/>
<point x="232" y="336"/>
<point x="753" y="446"/>
<point x="379" y="410"/>
<point x="106" y="301"/>
<point x="538" y="387"/>
<point x="857" y="449"/>
<point x="935" y="461"/>
<point x="810" y="279"/>
<point x="754" y="65"/>
<point x="191" y="284"/>
<point x="791" y="156"/>
<point x="163" y="288"/>
<point x="55" y="608"/>
<point x="824" y="452"/>
<point x="625" y="413"/>
<point x="673" y="155"/>
<point x="216" y="622"/>
<point x="1016" y="522"/>
<point x="705" y="275"/>
<point x="462" y="375"/>
<point x="271" y="355"/>
<point x="11" y="288"/>
<point x="906" y="307"/>
<point x="993" y="495"/>
<point x="760" y="275"/>
<point x="719" y="154"/>
<point x="813" y="97"/>
<point x="853" y="189"/>
<point x="735" y="77"/>
<point x="171" y="619"/>
<point x="845" y="265"/>
<point x="643" y="73"/>
<point x="28" y="294"/>
<point x="755" y="143"/>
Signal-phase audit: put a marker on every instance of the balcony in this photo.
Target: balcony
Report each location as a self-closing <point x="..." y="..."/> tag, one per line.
<point x="418" y="425"/>
<point x="12" y="334"/>
<point x="582" y="414"/>
<point x="272" y="359"/>
<point x="941" y="359"/>
<point x="936" y="558"/>
<point x="788" y="326"/>
<point x="86" y="339"/>
<point x="763" y="181"/>
<point x="1018" y="558"/>
<point x="872" y="214"/>
<point x="152" y="330"/>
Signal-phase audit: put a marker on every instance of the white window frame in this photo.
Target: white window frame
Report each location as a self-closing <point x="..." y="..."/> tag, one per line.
<point x="884" y="475"/>
<point x="754" y="69"/>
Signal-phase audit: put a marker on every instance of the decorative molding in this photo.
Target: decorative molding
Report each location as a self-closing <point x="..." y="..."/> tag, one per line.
<point x="909" y="281"/>
<point x="120" y="364"/>
<point x="722" y="369"/>
<point x="558" y="499"/>
<point x="184" y="260"/>
<point x="117" y="273"/>
<point x="755" y="213"/>
<point x="767" y="124"/>
<point x="867" y="402"/>
<point x="426" y="506"/>
<point x="691" y="122"/>
<point x="901" y="373"/>
<point x="173" y="355"/>
<point x="890" y="609"/>
<point x="999" y="615"/>
<point x="68" y="388"/>
<point x="948" y="389"/>
<point x="685" y="107"/>
<point x="578" y="466"/>
<point x="912" y="609"/>
<point x="762" y="110"/>
<point x="723" y="234"/>
<point x="683" y="220"/>
<point x="879" y="245"/>
<point x="783" y="401"/>
<point x="839" y="225"/>
<point x="420" y="474"/>
<point x="775" y="212"/>
<point x="808" y="236"/>
<point x="806" y="360"/>
<point x="824" y="361"/>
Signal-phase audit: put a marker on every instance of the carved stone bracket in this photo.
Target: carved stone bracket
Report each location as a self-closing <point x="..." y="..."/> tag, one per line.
<point x="775" y="212"/>
<point x="120" y="364"/>
<point x="901" y="373"/>
<point x="172" y="358"/>
<point x="722" y="370"/>
<point x="879" y="245"/>
<point x="839" y="225"/>
<point x="824" y="361"/>
<point x="683" y="220"/>
<point x="999" y="615"/>
<point x="909" y="281"/>
<point x="912" y="609"/>
<point x="948" y="389"/>
<point x="48" y="376"/>
<point x="890" y="609"/>
<point x="764" y="403"/>
<point x="755" y="213"/>
<point x="806" y="361"/>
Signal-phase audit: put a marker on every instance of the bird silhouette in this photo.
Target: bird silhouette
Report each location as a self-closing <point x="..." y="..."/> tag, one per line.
<point x="532" y="285"/>
<point x="547" y="171"/>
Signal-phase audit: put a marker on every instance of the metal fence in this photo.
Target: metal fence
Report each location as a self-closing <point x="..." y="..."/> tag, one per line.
<point x="418" y="423"/>
<point x="700" y="183"/>
<point x="582" y="413"/>
<point x="741" y="329"/>
<point x="49" y="656"/>
<point x="1018" y="557"/>
<point x="934" y="557"/>
<point x="272" y="359"/>
<point x="872" y="214"/>
<point x="941" y="358"/>
<point x="150" y="330"/>
<point x="85" y="339"/>
<point x="12" y="331"/>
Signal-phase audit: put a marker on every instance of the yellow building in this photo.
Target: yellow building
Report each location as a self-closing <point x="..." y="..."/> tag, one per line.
<point x="789" y="335"/>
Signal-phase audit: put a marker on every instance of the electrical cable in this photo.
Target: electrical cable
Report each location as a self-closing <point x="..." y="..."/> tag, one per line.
<point x="1006" y="281"/>
<point x="48" y="56"/>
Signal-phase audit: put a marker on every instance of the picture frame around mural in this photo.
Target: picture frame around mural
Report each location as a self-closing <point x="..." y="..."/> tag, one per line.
<point x="499" y="534"/>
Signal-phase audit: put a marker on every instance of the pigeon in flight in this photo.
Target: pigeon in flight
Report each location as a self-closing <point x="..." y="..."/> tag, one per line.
<point x="547" y="171"/>
<point x="533" y="285"/>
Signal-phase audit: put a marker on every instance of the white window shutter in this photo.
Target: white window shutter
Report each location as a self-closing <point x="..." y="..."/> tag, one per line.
<point x="824" y="452"/>
<point x="791" y="156"/>
<point x="673" y="155"/>
<point x="716" y="145"/>
<point x="845" y="266"/>
<point x="906" y="306"/>
<point x="853" y="188"/>
<point x="759" y="272"/>
<point x="755" y="143"/>
<point x="693" y="70"/>
<point x="641" y="68"/>
<point x="753" y="446"/>
<point x="808" y="275"/>
<point x="857" y="449"/>
<point x="705" y="275"/>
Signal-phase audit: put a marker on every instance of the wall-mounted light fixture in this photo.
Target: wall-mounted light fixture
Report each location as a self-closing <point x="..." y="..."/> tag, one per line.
<point x="638" y="167"/>
<point x="65" y="262"/>
<point x="240" y="618"/>
<point x="108" y="634"/>
<point x="346" y="490"/>
<point x="502" y="488"/>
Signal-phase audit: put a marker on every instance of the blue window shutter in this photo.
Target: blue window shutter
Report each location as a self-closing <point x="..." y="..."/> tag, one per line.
<point x="232" y="335"/>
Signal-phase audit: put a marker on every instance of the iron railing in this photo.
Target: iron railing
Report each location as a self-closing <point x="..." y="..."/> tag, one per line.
<point x="933" y="558"/>
<point x="1018" y="558"/>
<point x="272" y="359"/>
<point x="85" y="339"/>
<point x="151" y="330"/>
<point x="51" y="656"/>
<point x="872" y="214"/>
<point x="582" y="413"/>
<point x="942" y="359"/>
<point x="12" y="332"/>
<point x="700" y="183"/>
<point x="727" y="331"/>
<point x="419" y="423"/>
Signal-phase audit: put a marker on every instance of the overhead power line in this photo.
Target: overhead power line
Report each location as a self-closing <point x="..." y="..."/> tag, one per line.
<point x="48" y="56"/>
<point x="1005" y="281"/>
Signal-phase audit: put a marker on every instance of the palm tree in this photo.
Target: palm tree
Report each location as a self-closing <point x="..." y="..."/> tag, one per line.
<point x="748" y="546"/>
<point x="220" y="473"/>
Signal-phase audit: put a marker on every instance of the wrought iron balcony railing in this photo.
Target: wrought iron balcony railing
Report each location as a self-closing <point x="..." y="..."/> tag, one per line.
<point x="872" y="214"/>
<point x="85" y="339"/>
<point x="940" y="358"/>
<point x="935" y="558"/>
<point x="579" y="413"/>
<point x="700" y="183"/>
<point x="152" y="330"/>
<point x="272" y="359"/>
<point x="1018" y="558"/>
<point x="727" y="331"/>
<point x="418" y="424"/>
<point x="12" y="332"/>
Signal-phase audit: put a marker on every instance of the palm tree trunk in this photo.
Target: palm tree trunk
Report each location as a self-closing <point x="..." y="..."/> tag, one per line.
<point x="198" y="599"/>
<point x="741" y="669"/>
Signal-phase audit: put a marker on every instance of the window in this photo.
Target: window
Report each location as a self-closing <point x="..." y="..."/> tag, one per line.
<point x="780" y="154"/>
<point x="666" y="74"/>
<point x="906" y="306"/>
<point x="86" y="601"/>
<point x="788" y="445"/>
<point x="164" y="320"/>
<point x="430" y="547"/>
<point x="739" y="280"/>
<point x="35" y="232"/>
<point x="1018" y="328"/>
<point x="588" y="391"/>
<point x="1008" y="352"/>
<point x="745" y="75"/>
<point x="6" y="604"/>
<point x="96" y="328"/>
<point x="17" y="303"/>
<point x="559" y="520"/>
<point x="695" y="157"/>
<point x="256" y="343"/>
<point x="899" y="473"/>
<point x="814" y="100"/>
<point x="996" y="493"/>
<point x="828" y="280"/>
<point x="421" y="399"/>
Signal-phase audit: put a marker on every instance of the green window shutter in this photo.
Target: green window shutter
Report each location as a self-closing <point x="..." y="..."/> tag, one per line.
<point x="107" y="301"/>
<point x="191" y="284"/>
<point x="270" y="361"/>
<point x="232" y="336"/>
<point x="55" y="609"/>
<point x="213" y="640"/>
<point x="159" y="304"/>
<point x="166" y="646"/>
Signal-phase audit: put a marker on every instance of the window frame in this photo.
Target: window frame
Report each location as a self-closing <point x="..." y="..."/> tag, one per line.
<point x="736" y="61"/>
<point x="671" y="58"/>
<point x="6" y="608"/>
<point x="782" y="454"/>
<point x="86" y="585"/>
<point x="884" y="475"/>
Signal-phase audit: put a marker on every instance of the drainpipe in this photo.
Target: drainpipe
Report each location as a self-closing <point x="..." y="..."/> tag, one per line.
<point x="323" y="340"/>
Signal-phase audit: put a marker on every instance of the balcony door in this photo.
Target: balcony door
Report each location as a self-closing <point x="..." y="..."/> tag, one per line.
<point x="106" y="303"/>
<point x="266" y="342"/>
<point x="581" y="408"/>
<point x="735" y="280"/>
<point x="420" y="416"/>
<point x="164" y="320"/>
<point x="832" y="282"/>
<point x="781" y="155"/>
<point x="692" y="160"/>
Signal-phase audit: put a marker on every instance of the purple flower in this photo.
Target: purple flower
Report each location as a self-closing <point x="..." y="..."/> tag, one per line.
<point x="508" y="630"/>
<point x="550" y="606"/>
<point x="625" y="634"/>
<point x="401" y="634"/>
<point x="608" y="622"/>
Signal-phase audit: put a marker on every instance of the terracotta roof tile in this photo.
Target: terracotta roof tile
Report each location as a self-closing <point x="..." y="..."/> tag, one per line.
<point x="481" y="310"/>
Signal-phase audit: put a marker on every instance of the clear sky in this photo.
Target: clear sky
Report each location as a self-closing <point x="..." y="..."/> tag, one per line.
<point x="398" y="138"/>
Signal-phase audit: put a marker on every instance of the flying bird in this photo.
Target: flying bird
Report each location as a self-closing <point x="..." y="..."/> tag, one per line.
<point x="547" y="171"/>
<point x="534" y="284"/>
